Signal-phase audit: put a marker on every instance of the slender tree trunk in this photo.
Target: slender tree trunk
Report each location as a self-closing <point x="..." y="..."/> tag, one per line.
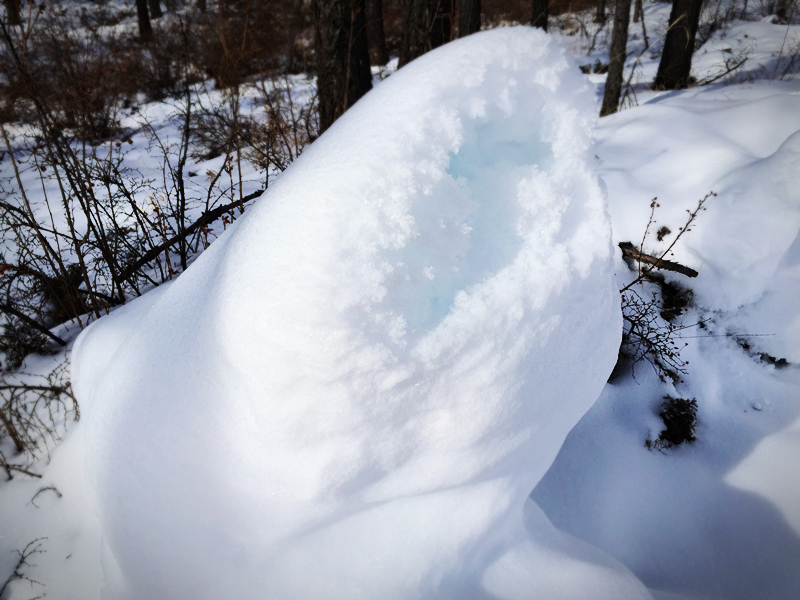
<point x="12" y="12"/>
<point x="617" y="53"/>
<point x="155" y="9"/>
<point x="442" y="26"/>
<point x="638" y="9"/>
<point x="378" y="55"/>
<point x="600" y="15"/>
<point x="201" y="5"/>
<point x="644" y="24"/>
<point x="340" y="40"/>
<point x="676" y="59"/>
<point x="143" y="15"/>
<point x="541" y="11"/>
<point x="469" y="17"/>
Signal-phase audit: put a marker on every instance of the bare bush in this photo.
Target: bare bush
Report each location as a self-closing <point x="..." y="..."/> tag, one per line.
<point x="716" y="16"/>
<point x="35" y="411"/>
<point x="650" y="305"/>
<point x="20" y="572"/>
<point x="679" y="416"/>
<point x="290" y="122"/>
<point x="648" y="337"/>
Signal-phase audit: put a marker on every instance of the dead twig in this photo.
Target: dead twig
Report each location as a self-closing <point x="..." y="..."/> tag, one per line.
<point x="33" y="548"/>
<point x="205" y="219"/>
<point x="31" y="323"/>
<point x="8" y="468"/>
<point x="659" y="261"/>
<point x="50" y="488"/>
<point x="631" y="252"/>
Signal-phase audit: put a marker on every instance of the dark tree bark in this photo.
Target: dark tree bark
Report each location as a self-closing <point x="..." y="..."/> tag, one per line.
<point x="12" y="12"/>
<point x="201" y="5"/>
<point x="640" y="9"/>
<point x="676" y="59"/>
<point x="155" y="9"/>
<point x="143" y="16"/>
<point x="442" y="26"/>
<point x="617" y="54"/>
<point x="427" y="25"/>
<point x="340" y="42"/>
<point x="469" y="17"/>
<point x="637" y="10"/>
<point x="600" y="14"/>
<point x="378" y="55"/>
<point x="541" y="11"/>
<point x="416" y="30"/>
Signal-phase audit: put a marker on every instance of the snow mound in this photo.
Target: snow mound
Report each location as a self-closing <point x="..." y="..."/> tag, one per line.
<point x="718" y="518"/>
<point x="352" y="393"/>
<point x="739" y="243"/>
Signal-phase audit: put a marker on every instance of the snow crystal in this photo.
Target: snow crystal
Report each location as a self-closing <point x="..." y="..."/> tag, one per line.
<point x="352" y="392"/>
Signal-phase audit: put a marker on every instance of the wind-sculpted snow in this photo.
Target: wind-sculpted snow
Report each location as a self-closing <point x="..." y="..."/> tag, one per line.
<point x="352" y="393"/>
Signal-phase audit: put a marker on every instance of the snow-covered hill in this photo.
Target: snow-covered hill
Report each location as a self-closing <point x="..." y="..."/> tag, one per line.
<point x="353" y="392"/>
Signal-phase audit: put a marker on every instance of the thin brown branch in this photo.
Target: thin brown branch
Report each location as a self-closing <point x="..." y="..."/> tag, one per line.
<point x="630" y="251"/>
<point x="31" y="323"/>
<point x="205" y="219"/>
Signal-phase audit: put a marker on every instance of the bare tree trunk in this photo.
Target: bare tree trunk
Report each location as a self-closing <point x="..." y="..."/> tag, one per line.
<point x="644" y="24"/>
<point x="469" y="17"/>
<point x="143" y="16"/>
<point x="442" y="26"/>
<point x="600" y="15"/>
<point x="617" y="53"/>
<point x="201" y="5"/>
<point x="155" y="9"/>
<point x="676" y="60"/>
<point x="340" y="40"/>
<point x="376" y="37"/>
<point x="416" y="30"/>
<point x="638" y="9"/>
<point x="12" y="12"/>
<point x="541" y="11"/>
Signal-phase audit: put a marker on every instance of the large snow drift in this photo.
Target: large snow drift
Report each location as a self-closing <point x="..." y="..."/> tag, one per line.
<point x="352" y="393"/>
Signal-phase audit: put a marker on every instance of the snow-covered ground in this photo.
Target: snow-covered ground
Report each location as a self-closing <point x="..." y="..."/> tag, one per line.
<point x="353" y="392"/>
<point x="719" y="518"/>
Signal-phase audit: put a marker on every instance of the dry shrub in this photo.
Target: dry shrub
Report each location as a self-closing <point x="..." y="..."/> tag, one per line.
<point x="35" y="410"/>
<point x="679" y="416"/>
<point x="246" y="37"/>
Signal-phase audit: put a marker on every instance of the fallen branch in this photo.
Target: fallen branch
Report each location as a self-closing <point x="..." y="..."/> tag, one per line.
<point x="640" y="256"/>
<point x="50" y="488"/>
<point x="630" y="251"/>
<point x="31" y="323"/>
<point x="205" y="219"/>
<point x="8" y="468"/>
<point x="730" y="69"/>
<point x="21" y="470"/>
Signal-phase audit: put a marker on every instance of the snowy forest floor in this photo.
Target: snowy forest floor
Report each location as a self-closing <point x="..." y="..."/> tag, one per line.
<point x="715" y="518"/>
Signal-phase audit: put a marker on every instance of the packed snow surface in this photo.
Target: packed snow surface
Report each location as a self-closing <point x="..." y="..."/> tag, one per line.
<point x="718" y="518"/>
<point x="352" y="393"/>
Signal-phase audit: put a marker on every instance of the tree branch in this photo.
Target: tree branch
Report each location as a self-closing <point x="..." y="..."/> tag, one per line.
<point x="31" y="323"/>
<point x="630" y="251"/>
<point x="205" y="219"/>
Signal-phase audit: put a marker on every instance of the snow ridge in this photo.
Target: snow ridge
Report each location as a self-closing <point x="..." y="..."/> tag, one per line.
<point x="353" y="391"/>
